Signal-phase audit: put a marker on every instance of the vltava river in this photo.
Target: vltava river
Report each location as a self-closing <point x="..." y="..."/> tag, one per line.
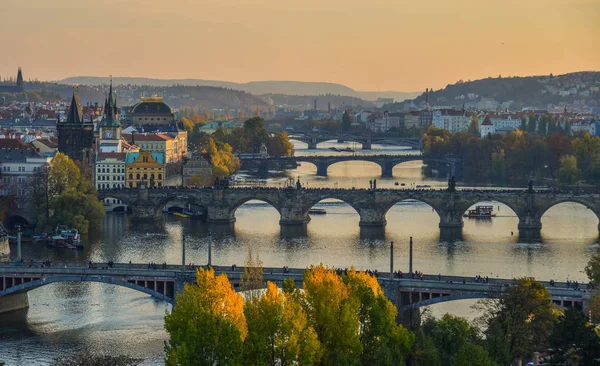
<point x="63" y="318"/>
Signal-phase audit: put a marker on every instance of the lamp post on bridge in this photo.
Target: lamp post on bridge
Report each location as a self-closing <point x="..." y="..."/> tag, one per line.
<point x="19" y="243"/>
<point x="209" y="249"/>
<point x="182" y="251"/>
<point x="410" y="258"/>
<point x="391" y="259"/>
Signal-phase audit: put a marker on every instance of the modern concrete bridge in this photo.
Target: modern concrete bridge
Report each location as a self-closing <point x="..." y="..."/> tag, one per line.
<point x="386" y="162"/>
<point x="219" y="205"/>
<point x="164" y="284"/>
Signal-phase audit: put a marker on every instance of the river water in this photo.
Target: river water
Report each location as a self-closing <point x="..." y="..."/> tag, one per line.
<point x="64" y="318"/>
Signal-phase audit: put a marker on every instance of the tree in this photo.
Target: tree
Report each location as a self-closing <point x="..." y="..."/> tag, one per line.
<point x="449" y="334"/>
<point x="573" y="338"/>
<point x="278" y="331"/>
<point x="568" y="171"/>
<point x="592" y="269"/>
<point x="333" y="315"/>
<point x="471" y="354"/>
<point x="207" y="327"/>
<point x="383" y="341"/>
<point x="543" y="125"/>
<point x="251" y="280"/>
<point x="522" y="319"/>
<point x="498" y="172"/>
<point x="474" y="125"/>
<point x="346" y="121"/>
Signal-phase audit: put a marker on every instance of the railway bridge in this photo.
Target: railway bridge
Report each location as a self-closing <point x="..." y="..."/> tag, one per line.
<point x="165" y="284"/>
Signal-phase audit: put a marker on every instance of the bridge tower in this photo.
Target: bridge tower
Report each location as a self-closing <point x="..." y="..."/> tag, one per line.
<point x="312" y="143"/>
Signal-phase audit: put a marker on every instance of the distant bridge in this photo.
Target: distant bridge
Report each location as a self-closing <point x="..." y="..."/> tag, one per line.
<point x="365" y="141"/>
<point x="165" y="284"/>
<point x="322" y="162"/>
<point x="219" y="205"/>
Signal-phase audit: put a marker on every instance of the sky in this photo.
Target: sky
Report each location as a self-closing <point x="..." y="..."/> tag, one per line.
<point x="368" y="45"/>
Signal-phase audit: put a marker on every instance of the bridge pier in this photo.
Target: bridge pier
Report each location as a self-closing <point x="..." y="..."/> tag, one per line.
<point x="145" y="212"/>
<point x="16" y="301"/>
<point x="219" y="215"/>
<point x="312" y="145"/>
<point x="366" y="145"/>
<point x="530" y="228"/>
<point x="372" y="218"/>
<point x="386" y="170"/>
<point x="451" y="225"/>
<point x="322" y="169"/>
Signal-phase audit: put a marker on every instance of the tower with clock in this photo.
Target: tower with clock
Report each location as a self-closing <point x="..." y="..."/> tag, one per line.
<point x="109" y="129"/>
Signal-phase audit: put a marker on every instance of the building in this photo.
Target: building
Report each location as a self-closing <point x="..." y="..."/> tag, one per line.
<point x="46" y="145"/>
<point x="213" y="126"/>
<point x="158" y="143"/>
<point x="108" y="135"/>
<point x="412" y="120"/>
<point x="18" y="163"/>
<point x="197" y="171"/>
<point x="456" y="120"/>
<point x="487" y="127"/>
<point x="151" y="111"/>
<point x="109" y="170"/>
<point x="17" y="88"/>
<point x="76" y="136"/>
<point x="437" y="119"/>
<point x="145" y="166"/>
<point x="426" y="115"/>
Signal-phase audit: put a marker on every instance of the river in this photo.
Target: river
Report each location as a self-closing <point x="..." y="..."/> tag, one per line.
<point x="63" y="318"/>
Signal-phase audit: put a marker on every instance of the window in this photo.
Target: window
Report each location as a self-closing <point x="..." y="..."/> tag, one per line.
<point x="145" y="176"/>
<point x="159" y="176"/>
<point x="21" y="168"/>
<point x="6" y="179"/>
<point x="22" y="180"/>
<point x="152" y="176"/>
<point x="137" y="176"/>
<point x="20" y="192"/>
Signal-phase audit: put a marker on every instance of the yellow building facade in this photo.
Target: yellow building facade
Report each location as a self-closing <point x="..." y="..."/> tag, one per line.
<point x="145" y="166"/>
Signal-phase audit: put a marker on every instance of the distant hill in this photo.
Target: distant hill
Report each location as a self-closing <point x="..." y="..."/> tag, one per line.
<point x="253" y="87"/>
<point x="529" y="91"/>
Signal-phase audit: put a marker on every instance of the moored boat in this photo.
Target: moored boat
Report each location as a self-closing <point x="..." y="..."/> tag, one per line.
<point x="181" y="214"/>
<point x="317" y="211"/>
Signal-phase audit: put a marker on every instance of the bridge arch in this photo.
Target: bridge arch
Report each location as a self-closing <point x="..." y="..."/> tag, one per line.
<point x="580" y="225"/>
<point x="167" y="296"/>
<point x="393" y="203"/>
<point x="16" y="219"/>
<point x="574" y="199"/>
<point x="451" y="297"/>
<point x="181" y="200"/>
<point x="237" y="204"/>
<point x="359" y="160"/>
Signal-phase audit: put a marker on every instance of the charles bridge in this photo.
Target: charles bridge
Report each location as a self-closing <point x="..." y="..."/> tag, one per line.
<point x="218" y="205"/>
<point x="164" y="284"/>
<point x="387" y="162"/>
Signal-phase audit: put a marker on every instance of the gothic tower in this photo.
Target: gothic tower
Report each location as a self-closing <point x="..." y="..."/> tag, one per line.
<point x="20" y="80"/>
<point x="76" y="135"/>
<point x="109" y="130"/>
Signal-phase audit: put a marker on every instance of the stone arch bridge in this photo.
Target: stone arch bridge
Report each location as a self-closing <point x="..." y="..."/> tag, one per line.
<point x="165" y="284"/>
<point x="386" y="162"/>
<point x="219" y="205"/>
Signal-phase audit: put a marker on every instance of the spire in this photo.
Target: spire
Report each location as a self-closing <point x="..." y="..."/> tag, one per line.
<point x="110" y="108"/>
<point x="75" y="110"/>
<point x="20" y="80"/>
<point x="426" y="96"/>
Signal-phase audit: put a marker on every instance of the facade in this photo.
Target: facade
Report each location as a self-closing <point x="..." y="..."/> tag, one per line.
<point x="487" y="127"/>
<point x="76" y="136"/>
<point x="158" y="143"/>
<point x="437" y="119"/>
<point x="46" y="145"/>
<point x="145" y="166"/>
<point x="151" y="111"/>
<point x="109" y="170"/>
<point x="197" y="171"/>
<point x="17" y="166"/>
<point x="456" y="120"/>
<point x="412" y="120"/>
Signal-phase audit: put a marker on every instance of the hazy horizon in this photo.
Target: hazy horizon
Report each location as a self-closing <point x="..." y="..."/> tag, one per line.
<point x="382" y="45"/>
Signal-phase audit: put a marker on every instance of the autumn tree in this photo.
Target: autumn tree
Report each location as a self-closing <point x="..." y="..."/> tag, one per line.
<point x="346" y="121"/>
<point x="472" y="354"/>
<point x="251" y="280"/>
<point x="278" y="331"/>
<point x="568" y="172"/>
<point x="333" y="314"/>
<point x="207" y="327"/>
<point x="573" y="337"/>
<point x="384" y="342"/>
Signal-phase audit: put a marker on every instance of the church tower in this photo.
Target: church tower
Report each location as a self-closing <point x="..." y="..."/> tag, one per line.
<point x="109" y="130"/>
<point x="76" y="135"/>
<point x="20" y="80"/>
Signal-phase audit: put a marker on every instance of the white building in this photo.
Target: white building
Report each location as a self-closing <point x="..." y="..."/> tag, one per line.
<point x="438" y="119"/>
<point x="487" y="127"/>
<point x="456" y="120"/>
<point x="110" y="170"/>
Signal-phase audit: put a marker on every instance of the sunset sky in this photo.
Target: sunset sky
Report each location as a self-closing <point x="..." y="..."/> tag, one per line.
<point x="364" y="44"/>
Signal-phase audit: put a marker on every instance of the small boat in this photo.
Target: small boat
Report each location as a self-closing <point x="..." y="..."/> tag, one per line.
<point x="396" y="183"/>
<point x="347" y="150"/>
<point x="59" y="241"/>
<point x="402" y="184"/>
<point x="481" y="212"/>
<point x="181" y="214"/>
<point x="317" y="211"/>
<point x="426" y="186"/>
<point x="334" y="149"/>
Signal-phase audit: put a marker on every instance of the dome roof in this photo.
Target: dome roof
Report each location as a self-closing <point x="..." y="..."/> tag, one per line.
<point x="151" y="108"/>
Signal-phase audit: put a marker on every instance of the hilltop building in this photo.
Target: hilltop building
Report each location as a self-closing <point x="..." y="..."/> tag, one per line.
<point x="151" y="111"/>
<point x="197" y="171"/>
<point x="76" y="135"/>
<point x="17" y="88"/>
<point x="487" y="127"/>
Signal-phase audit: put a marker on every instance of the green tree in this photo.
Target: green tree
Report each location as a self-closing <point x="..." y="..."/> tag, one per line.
<point x="573" y="338"/>
<point x="207" y="327"/>
<point x="449" y="334"/>
<point x="568" y="172"/>
<point x="592" y="269"/>
<point x="471" y="354"/>
<point x="346" y="121"/>
<point x="543" y="125"/>
<point x="522" y="319"/>
<point x="474" y="125"/>
<point x="498" y="172"/>
<point x="424" y="351"/>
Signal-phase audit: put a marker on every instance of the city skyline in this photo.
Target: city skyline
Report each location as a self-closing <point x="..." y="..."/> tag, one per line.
<point x="378" y="46"/>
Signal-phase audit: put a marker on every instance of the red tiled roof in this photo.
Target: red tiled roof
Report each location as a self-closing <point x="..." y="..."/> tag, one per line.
<point x="147" y="137"/>
<point x="50" y="142"/>
<point x="487" y="121"/>
<point x="113" y="155"/>
<point x="13" y="144"/>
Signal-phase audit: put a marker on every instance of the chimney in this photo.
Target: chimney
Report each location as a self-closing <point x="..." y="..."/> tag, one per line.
<point x="329" y="107"/>
<point x="132" y="138"/>
<point x="315" y="105"/>
<point x="426" y="96"/>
